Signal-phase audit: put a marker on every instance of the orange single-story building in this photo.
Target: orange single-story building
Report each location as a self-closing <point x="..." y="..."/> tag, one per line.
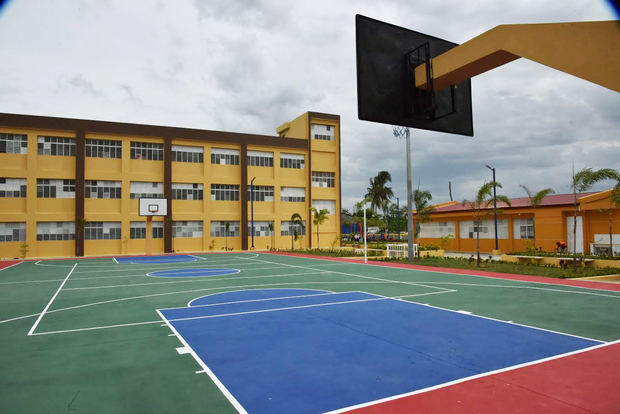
<point x="519" y="224"/>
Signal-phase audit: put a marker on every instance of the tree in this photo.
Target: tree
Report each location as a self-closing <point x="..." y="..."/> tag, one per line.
<point x="480" y="208"/>
<point x="582" y="181"/>
<point x="319" y="218"/>
<point x="379" y="193"/>
<point x="535" y="200"/>
<point x="614" y="199"/>
<point x="423" y="210"/>
<point x="296" y="228"/>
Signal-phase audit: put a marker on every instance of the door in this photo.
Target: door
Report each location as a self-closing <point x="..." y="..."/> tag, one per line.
<point x="569" y="234"/>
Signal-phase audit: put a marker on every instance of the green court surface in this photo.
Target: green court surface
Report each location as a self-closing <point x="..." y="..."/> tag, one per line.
<point x="84" y="335"/>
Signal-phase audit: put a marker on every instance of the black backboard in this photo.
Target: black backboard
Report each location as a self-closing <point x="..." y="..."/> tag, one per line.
<point x="386" y="93"/>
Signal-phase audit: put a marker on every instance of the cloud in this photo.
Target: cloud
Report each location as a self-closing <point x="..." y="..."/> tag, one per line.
<point x="249" y="66"/>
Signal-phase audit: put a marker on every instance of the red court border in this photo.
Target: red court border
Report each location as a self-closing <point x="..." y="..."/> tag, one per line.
<point x="8" y="263"/>
<point x="584" y="382"/>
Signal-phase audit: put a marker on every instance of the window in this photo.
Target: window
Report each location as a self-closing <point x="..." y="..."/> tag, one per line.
<point x="103" y="148"/>
<point x="486" y="228"/>
<point x="56" y="146"/>
<point x="55" y="230"/>
<point x="102" y="189"/>
<point x="292" y="161"/>
<point x="323" y="179"/>
<point x="13" y="187"/>
<point x="260" y="159"/>
<point x="261" y="228"/>
<point x="13" y="143"/>
<point x="182" y="153"/>
<point x="293" y="194"/>
<point x="49" y="188"/>
<point x="329" y="205"/>
<point x="137" y="230"/>
<point x="287" y="228"/>
<point x="523" y="228"/>
<point x="102" y="230"/>
<point x="147" y="151"/>
<point x="218" y="229"/>
<point x="437" y="229"/>
<point x="261" y="193"/>
<point x="138" y="189"/>
<point x="158" y="229"/>
<point x="12" y="232"/>
<point x="322" y="132"/>
<point x="182" y="191"/>
<point x="186" y="229"/>
<point x="224" y="156"/>
<point x="225" y="192"/>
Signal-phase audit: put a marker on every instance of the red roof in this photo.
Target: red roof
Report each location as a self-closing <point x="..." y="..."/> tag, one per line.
<point x="520" y="202"/>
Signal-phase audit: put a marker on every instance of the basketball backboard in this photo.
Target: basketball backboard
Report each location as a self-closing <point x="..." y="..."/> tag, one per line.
<point x="153" y="207"/>
<point x="386" y="58"/>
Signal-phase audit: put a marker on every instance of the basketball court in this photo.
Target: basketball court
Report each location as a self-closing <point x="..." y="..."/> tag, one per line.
<point x="266" y="333"/>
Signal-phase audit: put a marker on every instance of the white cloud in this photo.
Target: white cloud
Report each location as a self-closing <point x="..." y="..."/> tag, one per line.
<point x="249" y="66"/>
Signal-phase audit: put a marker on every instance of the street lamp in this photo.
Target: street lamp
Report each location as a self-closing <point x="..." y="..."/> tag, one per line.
<point x="494" y="205"/>
<point x="252" y="207"/>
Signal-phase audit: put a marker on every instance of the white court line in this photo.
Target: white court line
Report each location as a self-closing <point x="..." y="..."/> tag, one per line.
<point x="460" y="380"/>
<point x="11" y="265"/>
<point x="224" y="315"/>
<point x="209" y="279"/>
<point x="205" y="290"/>
<point x="467" y="313"/>
<point x="245" y="301"/>
<point x="96" y="328"/>
<point x="206" y="369"/>
<point x="50" y="302"/>
<point x="166" y="266"/>
<point x="20" y="317"/>
<point x="431" y="270"/>
<point x="181" y="269"/>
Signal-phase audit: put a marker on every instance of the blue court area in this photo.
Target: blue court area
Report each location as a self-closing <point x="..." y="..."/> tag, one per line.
<point x="282" y="350"/>
<point x="203" y="272"/>
<point x="177" y="258"/>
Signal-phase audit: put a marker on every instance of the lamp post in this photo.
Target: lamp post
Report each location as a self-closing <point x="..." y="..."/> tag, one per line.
<point x="399" y="132"/>
<point x="252" y="207"/>
<point x="494" y="205"/>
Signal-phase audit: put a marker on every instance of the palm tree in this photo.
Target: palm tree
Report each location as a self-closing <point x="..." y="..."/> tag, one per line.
<point x="423" y="210"/>
<point x="319" y="218"/>
<point x="480" y="208"/>
<point x="535" y="200"/>
<point x="582" y="181"/>
<point x="614" y="199"/>
<point x="378" y="193"/>
<point x="296" y="228"/>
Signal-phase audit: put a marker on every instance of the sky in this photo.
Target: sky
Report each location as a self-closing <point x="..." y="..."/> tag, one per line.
<point x="251" y="65"/>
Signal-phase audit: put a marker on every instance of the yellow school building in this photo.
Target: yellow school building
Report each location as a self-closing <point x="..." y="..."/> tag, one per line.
<point x="520" y="224"/>
<point x="71" y="187"/>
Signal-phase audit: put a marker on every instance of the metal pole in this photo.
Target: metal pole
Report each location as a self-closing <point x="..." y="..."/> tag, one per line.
<point x="398" y="212"/>
<point x="252" y="207"/>
<point x="365" y="255"/>
<point x="409" y="199"/>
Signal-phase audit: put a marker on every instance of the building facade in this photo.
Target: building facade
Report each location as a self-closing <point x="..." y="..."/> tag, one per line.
<point x="519" y="223"/>
<point x="71" y="187"/>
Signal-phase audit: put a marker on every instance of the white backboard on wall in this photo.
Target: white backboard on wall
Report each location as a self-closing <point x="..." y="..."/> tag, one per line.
<point x="153" y="207"/>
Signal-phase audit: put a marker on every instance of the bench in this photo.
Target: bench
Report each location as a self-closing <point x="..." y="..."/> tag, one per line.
<point x="565" y="261"/>
<point x="528" y="259"/>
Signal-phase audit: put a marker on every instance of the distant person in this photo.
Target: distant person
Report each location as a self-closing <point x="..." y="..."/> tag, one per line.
<point x="560" y="246"/>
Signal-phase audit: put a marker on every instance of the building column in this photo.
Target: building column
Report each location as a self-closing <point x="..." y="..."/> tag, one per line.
<point x="309" y="167"/>
<point x="244" y="196"/>
<point x="80" y="173"/>
<point x="168" y="194"/>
